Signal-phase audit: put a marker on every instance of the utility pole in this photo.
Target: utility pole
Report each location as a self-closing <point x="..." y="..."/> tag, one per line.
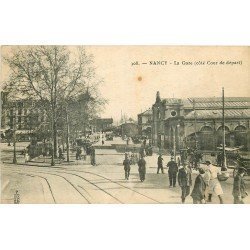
<point x="224" y="163"/>
<point x="195" y="125"/>
<point x="174" y="146"/>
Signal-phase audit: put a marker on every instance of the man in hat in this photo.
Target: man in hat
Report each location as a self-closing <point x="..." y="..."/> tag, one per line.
<point x="160" y="164"/>
<point x="185" y="181"/>
<point x="198" y="193"/>
<point x="239" y="187"/>
<point x="172" y="172"/>
<point x="126" y="164"/>
<point x="213" y="182"/>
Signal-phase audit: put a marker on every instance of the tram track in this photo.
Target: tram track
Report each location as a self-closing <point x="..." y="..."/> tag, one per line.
<point x="117" y="183"/>
<point x="52" y="194"/>
<point x="69" y="172"/>
<point x="33" y="171"/>
<point x="88" y="181"/>
<point x="68" y="182"/>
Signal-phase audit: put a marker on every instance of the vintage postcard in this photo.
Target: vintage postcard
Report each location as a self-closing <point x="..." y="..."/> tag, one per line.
<point x="125" y="124"/>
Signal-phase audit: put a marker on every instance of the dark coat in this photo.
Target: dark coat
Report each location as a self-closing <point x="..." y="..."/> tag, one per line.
<point x="126" y="164"/>
<point x="239" y="187"/>
<point x="198" y="192"/>
<point x="184" y="177"/>
<point x="160" y="161"/>
<point x="172" y="167"/>
<point x="142" y="166"/>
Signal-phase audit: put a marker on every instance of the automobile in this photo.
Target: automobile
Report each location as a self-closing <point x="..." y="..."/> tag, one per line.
<point x="237" y="158"/>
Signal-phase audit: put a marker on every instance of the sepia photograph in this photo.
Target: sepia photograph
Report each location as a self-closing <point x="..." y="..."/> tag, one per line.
<point x="125" y="124"/>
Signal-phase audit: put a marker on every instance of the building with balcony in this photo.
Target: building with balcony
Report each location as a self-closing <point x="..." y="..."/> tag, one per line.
<point x="24" y="116"/>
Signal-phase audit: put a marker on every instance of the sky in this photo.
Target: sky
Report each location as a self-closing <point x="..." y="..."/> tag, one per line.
<point x="131" y="89"/>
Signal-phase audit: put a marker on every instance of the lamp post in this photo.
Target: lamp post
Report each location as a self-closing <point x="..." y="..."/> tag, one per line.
<point x="224" y="162"/>
<point x="178" y="136"/>
<point x="174" y="143"/>
<point x="195" y="126"/>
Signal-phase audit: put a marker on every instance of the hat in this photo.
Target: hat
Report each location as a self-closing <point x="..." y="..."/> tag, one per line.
<point x="201" y="171"/>
<point x="241" y="170"/>
<point x="208" y="162"/>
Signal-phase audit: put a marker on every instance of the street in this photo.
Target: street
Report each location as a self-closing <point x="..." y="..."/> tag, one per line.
<point x="81" y="183"/>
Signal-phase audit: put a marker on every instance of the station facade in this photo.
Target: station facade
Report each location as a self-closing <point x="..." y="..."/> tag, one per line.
<point x="197" y="122"/>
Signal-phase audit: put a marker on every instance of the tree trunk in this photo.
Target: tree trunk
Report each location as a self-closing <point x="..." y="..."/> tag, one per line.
<point x="55" y="139"/>
<point x="14" y="139"/>
<point x="67" y="134"/>
<point x="52" y="136"/>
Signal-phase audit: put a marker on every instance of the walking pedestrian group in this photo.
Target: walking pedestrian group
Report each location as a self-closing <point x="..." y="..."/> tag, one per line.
<point x="206" y="183"/>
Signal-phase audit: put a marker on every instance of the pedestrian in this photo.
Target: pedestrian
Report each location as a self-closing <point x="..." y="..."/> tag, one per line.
<point x="60" y="152"/>
<point x="142" y="151"/>
<point x="160" y="164"/>
<point x="78" y="153"/>
<point x="102" y="141"/>
<point x="127" y="140"/>
<point x="178" y="161"/>
<point x="126" y="164"/>
<point x="172" y="172"/>
<point x="239" y="187"/>
<point x="142" y="169"/>
<point x="26" y="156"/>
<point x="84" y="153"/>
<point x="185" y="181"/>
<point x="212" y="181"/>
<point x="198" y="193"/>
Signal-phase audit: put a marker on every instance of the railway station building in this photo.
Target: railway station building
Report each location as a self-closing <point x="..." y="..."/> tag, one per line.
<point x="197" y="122"/>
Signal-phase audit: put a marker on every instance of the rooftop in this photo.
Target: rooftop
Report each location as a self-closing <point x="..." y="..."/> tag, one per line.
<point x="147" y="112"/>
<point x="217" y="114"/>
<point x="216" y="102"/>
<point x="209" y="102"/>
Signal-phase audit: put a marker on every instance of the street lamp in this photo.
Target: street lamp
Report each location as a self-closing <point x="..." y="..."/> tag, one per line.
<point x="174" y="142"/>
<point x="178" y="136"/>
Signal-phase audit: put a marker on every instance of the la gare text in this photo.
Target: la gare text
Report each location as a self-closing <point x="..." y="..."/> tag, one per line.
<point x="186" y="63"/>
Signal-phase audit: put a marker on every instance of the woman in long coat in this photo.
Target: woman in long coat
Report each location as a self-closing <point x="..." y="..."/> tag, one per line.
<point x="142" y="168"/>
<point x="198" y="193"/>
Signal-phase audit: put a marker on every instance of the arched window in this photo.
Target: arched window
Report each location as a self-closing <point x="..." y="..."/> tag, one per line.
<point x="240" y="136"/>
<point x="206" y="140"/>
<point x="206" y="129"/>
<point x="240" y="128"/>
<point x="220" y="129"/>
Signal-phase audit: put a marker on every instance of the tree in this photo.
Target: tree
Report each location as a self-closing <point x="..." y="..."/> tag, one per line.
<point x="52" y="75"/>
